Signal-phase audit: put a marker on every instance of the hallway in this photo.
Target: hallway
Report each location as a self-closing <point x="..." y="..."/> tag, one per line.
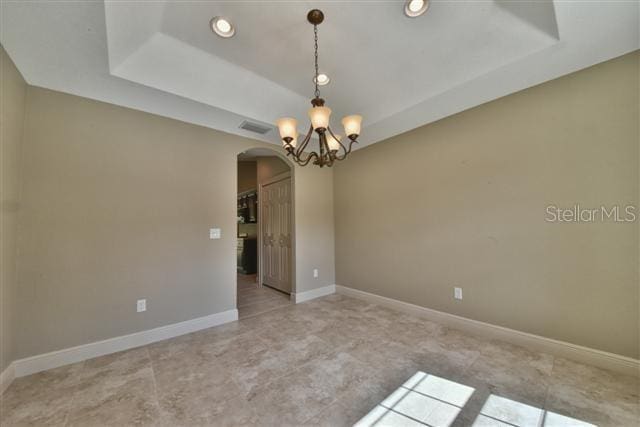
<point x="254" y="299"/>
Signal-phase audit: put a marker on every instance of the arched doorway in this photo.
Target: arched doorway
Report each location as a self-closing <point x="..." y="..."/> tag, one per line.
<point x="265" y="252"/>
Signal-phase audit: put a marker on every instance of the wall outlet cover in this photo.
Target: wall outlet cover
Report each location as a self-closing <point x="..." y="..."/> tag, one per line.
<point x="215" y="233"/>
<point x="141" y="305"/>
<point x="457" y="293"/>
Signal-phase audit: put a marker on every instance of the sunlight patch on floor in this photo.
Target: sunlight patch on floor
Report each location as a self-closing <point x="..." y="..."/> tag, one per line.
<point x="500" y="411"/>
<point x="422" y="400"/>
<point x="428" y="400"/>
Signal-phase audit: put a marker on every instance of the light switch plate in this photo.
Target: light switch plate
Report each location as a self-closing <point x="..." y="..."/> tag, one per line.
<point x="214" y="233"/>
<point x="141" y="305"/>
<point x="315" y="272"/>
<point x="457" y="293"/>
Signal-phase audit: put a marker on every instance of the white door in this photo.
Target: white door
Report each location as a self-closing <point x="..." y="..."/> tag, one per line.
<point x="276" y="234"/>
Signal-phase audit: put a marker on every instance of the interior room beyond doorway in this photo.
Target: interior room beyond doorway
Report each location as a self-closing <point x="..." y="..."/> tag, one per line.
<point x="264" y="232"/>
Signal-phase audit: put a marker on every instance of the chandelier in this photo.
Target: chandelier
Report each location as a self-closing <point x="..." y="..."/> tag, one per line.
<point x="331" y="147"/>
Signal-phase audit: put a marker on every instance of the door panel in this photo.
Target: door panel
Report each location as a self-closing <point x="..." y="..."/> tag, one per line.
<point x="276" y="235"/>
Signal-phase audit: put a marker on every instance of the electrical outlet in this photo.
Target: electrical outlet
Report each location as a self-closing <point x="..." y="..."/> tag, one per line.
<point x="315" y="272"/>
<point x="457" y="293"/>
<point x="141" y="305"/>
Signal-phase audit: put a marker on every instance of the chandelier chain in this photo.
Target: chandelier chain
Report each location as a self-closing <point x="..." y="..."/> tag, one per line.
<point x="315" y="78"/>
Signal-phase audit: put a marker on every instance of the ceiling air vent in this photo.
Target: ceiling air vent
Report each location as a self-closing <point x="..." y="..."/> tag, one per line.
<point x="255" y="127"/>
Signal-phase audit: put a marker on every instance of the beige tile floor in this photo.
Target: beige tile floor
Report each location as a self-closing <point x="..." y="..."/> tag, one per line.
<point x="254" y="299"/>
<point x="327" y="362"/>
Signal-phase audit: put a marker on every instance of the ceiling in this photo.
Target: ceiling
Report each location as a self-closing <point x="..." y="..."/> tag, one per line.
<point x="398" y="72"/>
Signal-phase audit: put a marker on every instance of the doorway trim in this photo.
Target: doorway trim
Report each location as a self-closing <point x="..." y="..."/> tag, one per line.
<point x="292" y="175"/>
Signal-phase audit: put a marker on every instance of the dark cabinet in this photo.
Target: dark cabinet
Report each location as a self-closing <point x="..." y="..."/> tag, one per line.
<point x="248" y="207"/>
<point x="247" y="256"/>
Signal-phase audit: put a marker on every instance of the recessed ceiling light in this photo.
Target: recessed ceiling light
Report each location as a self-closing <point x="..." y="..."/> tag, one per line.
<point x="222" y="27"/>
<point x="414" y="8"/>
<point x="323" y="79"/>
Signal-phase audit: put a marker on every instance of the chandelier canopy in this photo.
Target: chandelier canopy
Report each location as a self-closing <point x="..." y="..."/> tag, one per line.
<point x="330" y="145"/>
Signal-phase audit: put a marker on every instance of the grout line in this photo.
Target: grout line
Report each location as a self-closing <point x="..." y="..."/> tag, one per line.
<point x="431" y="397"/>
<point x="542" y="418"/>
<point x="409" y="416"/>
<point x="73" y="396"/>
<point x="497" y="419"/>
<point x="546" y="392"/>
<point x="155" y="384"/>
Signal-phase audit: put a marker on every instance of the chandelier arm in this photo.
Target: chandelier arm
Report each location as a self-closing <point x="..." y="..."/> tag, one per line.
<point x="308" y="159"/>
<point x="327" y="155"/>
<point x="331" y="158"/>
<point x="348" y="151"/>
<point x="342" y="157"/>
<point x="344" y="149"/>
<point x="304" y="143"/>
<point x="298" y="155"/>
<point x="351" y="142"/>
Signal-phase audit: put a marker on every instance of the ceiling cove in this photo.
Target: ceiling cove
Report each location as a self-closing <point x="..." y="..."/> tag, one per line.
<point x="397" y="72"/>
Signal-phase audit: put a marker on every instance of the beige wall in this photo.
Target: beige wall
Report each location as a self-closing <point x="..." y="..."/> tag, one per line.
<point x="247" y="176"/>
<point x="314" y="222"/>
<point x="252" y="172"/>
<point x="116" y="206"/>
<point x="270" y="166"/>
<point x="12" y="98"/>
<point x="461" y="202"/>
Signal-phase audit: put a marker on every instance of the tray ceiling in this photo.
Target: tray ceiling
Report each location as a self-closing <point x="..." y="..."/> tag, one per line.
<point x="399" y="73"/>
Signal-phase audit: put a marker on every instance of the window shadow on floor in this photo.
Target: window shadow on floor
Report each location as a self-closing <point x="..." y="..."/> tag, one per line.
<point x="428" y="400"/>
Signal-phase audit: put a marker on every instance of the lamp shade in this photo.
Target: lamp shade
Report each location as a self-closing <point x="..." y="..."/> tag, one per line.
<point x="320" y="117"/>
<point x="287" y="127"/>
<point x="352" y="124"/>
<point x="333" y="143"/>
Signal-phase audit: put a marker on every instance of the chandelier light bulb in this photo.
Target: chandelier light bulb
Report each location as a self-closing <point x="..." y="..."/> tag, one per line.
<point x="352" y="125"/>
<point x="333" y="143"/>
<point x="319" y="117"/>
<point x="288" y="128"/>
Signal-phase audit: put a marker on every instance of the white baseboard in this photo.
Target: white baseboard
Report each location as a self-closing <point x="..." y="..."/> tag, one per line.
<point x="312" y="294"/>
<point x="590" y="356"/>
<point x="54" y="359"/>
<point x="6" y="377"/>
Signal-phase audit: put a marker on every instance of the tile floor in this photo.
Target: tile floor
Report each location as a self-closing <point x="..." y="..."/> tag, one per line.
<point x="254" y="299"/>
<point x="327" y="362"/>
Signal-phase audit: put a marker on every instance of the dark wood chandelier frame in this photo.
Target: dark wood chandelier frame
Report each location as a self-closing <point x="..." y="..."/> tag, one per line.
<point x="326" y="156"/>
